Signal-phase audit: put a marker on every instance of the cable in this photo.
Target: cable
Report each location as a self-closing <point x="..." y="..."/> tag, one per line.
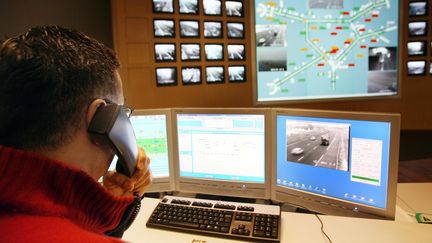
<point x="406" y="203"/>
<point x="322" y="228"/>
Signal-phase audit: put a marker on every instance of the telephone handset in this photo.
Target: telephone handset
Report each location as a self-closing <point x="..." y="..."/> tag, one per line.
<point x="111" y="126"/>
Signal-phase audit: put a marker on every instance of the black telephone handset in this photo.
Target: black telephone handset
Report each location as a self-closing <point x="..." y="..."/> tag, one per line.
<point x="111" y="126"/>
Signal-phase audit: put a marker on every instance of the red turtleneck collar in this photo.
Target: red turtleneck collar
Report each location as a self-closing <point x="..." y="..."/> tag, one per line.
<point x="33" y="185"/>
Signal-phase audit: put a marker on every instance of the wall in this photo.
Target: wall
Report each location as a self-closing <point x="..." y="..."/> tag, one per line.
<point x="133" y="40"/>
<point x="92" y="17"/>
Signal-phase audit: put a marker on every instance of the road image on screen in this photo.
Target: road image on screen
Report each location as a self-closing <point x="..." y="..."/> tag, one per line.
<point x="229" y="147"/>
<point x="318" y="143"/>
<point x="151" y="135"/>
<point x="319" y="49"/>
<point x="337" y="158"/>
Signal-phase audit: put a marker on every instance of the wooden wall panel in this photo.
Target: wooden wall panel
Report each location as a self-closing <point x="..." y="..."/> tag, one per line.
<point x="134" y="41"/>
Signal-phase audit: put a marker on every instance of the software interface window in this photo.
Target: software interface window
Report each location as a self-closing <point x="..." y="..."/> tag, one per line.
<point x="222" y="146"/>
<point x="337" y="158"/>
<point x="151" y="134"/>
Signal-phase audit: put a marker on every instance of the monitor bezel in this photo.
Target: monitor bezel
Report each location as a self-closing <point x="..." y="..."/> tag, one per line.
<point x="221" y="187"/>
<point x="329" y="205"/>
<point x="162" y="184"/>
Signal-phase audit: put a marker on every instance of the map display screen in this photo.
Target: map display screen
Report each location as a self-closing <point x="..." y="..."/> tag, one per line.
<point x="323" y="49"/>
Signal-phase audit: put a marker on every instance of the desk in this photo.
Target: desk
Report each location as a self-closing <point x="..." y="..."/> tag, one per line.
<point x="297" y="227"/>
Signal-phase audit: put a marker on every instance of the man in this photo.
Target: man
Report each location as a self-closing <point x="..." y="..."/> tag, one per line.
<point x="52" y="81"/>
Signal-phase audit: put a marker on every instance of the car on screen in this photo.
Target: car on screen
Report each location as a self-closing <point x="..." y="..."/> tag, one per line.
<point x="297" y="151"/>
<point x="325" y="140"/>
<point x="312" y="138"/>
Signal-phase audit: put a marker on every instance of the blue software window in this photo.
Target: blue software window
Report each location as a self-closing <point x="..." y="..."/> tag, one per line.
<point x="338" y="158"/>
<point x="227" y="147"/>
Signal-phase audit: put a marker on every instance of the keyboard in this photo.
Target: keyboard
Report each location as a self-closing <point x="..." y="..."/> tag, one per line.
<point x="242" y="221"/>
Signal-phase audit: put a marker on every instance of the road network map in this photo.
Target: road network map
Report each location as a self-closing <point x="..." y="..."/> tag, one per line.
<point x="326" y="48"/>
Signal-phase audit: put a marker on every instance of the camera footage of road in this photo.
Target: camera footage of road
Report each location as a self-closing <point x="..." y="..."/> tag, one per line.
<point x="310" y="147"/>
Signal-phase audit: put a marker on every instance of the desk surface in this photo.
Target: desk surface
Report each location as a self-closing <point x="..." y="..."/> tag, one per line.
<point x="297" y="227"/>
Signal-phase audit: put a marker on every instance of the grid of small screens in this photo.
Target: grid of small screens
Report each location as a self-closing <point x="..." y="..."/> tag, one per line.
<point x="336" y="163"/>
<point x="211" y="50"/>
<point x="222" y="151"/>
<point x="419" y="44"/>
<point x="346" y="161"/>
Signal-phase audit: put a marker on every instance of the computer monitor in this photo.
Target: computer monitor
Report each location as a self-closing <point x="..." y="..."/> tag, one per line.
<point x="153" y="133"/>
<point x="222" y="151"/>
<point x="337" y="163"/>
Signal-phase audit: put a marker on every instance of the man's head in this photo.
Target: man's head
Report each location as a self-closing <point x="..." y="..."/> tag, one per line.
<point x="49" y="76"/>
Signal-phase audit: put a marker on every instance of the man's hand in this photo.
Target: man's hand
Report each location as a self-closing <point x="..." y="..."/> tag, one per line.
<point x="121" y="185"/>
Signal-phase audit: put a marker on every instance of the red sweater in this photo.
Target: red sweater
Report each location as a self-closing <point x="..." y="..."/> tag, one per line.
<point x="43" y="200"/>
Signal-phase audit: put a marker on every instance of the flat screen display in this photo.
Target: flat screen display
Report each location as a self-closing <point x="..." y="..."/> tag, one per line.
<point x="227" y="147"/>
<point x="325" y="49"/>
<point x="151" y="135"/>
<point x="337" y="158"/>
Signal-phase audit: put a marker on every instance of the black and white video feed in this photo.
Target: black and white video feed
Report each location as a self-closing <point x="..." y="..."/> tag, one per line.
<point x="163" y="6"/>
<point x="215" y="74"/>
<point x="213" y="52"/>
<point x="272" y="59"/>
<point x="163" y="28"/>
<point x="188" y="6"/>
<point x="416" y="48"/>
<point x="430" y="68"/>
<point x="212" y="29"/>
<point x="166" y="76"/>
<point x="382" y="75"/>
<point x="212" y="7"/>
<point x="326" y="4"/>
<point x="417" y="28"/>
<point x="234" y="8"/>
<point x="416" y="67"/>
<point x="236" y="52"/>
<point x="323" y="144"/>
<point x="165" y="52"/>
<point x="191" y="75"/>
<point x="189" y="28"/>
<point x="271" y="35"/>
<point x="190" y="52"/>
<point x="417" y="8"/>
<point x="382" y="58"/>
<point x="236" y="74"/>
<point x="235" y="30"/>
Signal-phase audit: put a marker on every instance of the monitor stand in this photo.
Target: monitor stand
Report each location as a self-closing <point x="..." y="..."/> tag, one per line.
<point x="225" y="198"/>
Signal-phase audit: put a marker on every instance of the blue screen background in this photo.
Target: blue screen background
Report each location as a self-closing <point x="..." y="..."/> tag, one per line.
<point x="337" y="183"/>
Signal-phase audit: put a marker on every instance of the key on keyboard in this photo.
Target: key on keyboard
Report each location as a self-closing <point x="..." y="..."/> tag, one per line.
<point x="243" y="221"/>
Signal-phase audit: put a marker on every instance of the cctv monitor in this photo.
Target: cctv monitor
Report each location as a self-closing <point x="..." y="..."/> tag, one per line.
<point x="153" y="133"/>
<point x="337" y="163"/>
<point x="222" y="152"/>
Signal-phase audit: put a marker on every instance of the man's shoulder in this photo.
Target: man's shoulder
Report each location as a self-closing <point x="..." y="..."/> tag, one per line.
<point x="29" y="228"/>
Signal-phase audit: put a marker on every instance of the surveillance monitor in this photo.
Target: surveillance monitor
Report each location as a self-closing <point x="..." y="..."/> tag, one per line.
<point x="416" y="48"/>
<point x="222" y="151"/>
<point x="416" y="68"/>
<point x="417" y="28"/>
<point x="338" y="163"/>
<point x="417" y="8"/>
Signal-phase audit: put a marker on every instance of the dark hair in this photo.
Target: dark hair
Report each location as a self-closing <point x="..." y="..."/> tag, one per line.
<point x="48" y="77"/>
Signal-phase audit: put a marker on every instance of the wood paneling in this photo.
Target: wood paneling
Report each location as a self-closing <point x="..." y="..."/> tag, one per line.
<point x="133" y="39"/>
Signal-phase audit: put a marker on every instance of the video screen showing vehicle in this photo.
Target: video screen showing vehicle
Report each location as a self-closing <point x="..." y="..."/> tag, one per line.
<point x="321" y="144"/>
<point x="337" y="158"/>
<point x="322" y="49"/>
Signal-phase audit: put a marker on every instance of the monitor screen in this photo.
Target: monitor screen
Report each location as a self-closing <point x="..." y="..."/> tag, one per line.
<point x="340" y="159"/>
<point x="153" y="134"/>
<point x="322" y="49"/>
<point x="223" y="150"/>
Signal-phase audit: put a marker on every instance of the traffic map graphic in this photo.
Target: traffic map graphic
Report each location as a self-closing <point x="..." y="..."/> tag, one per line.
<point x="326" y="48"/>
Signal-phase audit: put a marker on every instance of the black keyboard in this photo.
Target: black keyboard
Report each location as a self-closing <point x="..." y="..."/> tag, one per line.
<point x="243" y="221"/>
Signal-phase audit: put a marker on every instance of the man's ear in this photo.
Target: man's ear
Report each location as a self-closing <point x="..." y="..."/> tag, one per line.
<point x="92" y="109"/>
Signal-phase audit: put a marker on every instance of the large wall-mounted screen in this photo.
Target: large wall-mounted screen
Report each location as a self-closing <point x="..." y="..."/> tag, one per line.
<point x="326" y="49"/>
